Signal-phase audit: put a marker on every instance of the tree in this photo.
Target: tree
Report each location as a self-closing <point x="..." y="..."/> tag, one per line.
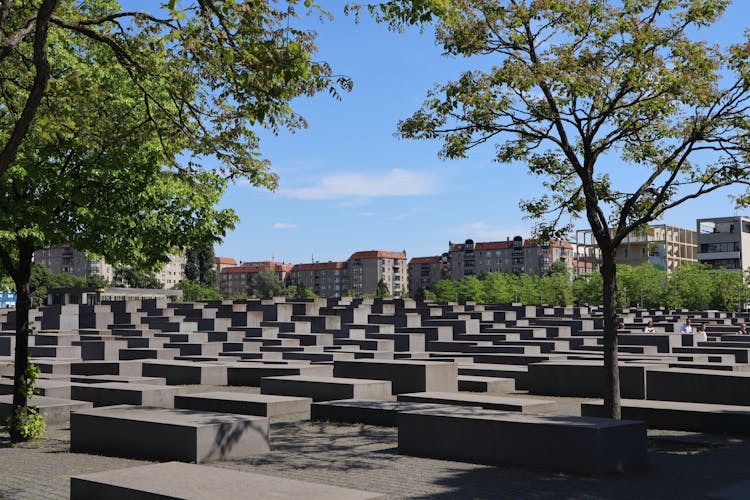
<point x="497" y="289"/>
<point x="107" y="118"/>
<point x="266" y="285"/>
<point x="192" y="291"/>
<point x="381" y="291"/>
<point x="444" y="290"/>
<point x="587" y="289"/>
<point x="690" y="286"/>
<point x="133" y="277"/>
<point x="727" y="290"/>
<point x="581" y="88"/>
<point x="201" y="264"/>
<point x="470" y="288"/>
<point x="299" y="291"/>
<point x="646" y="285"/>
<point x="97" y="281"/>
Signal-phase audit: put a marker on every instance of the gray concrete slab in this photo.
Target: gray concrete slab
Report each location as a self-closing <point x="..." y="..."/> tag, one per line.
<point x="55" y="410"/>
<point x="197" y="482"/>
<point x="404" y="375"/>
<point x="119" y="393"/>
<point x="676" y="415"/>
<point x="502" y="403"/>
<point x="265" y="405"/>
<point x="327" y="388"/>
<point x="167" y="434"/>
<point x="575" y="444"/>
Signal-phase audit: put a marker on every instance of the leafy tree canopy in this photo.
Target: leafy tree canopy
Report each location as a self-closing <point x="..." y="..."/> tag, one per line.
<point x="580" y="90"/>
<point x="133" y="277"/>
<point x="192" y="291"/>
<point x="120" y="129"/>
<point x="266" y="285"/>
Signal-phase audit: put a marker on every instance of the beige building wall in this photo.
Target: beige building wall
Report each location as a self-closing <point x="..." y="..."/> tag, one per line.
<point x="173" y="271"/>
<point x="367" y="268"/>
<point x="662" y="245"/>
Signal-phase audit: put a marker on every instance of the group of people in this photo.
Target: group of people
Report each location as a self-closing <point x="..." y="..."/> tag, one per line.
<point x="687" y="327"/>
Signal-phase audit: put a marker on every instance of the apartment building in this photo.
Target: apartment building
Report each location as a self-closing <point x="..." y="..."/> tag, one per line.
<point x="367" y="268"/>
<point x="236" y="279"/>
<point x="173" y="271"/>
<point x="325" y="279"/>
<point x="511" y="256"/>
<point x="65" y="259"/>
<point x="662" y="245"/>
<point x="424" y="271"/>
<point x="724" y="242"/>
<point x="222" y="262"/>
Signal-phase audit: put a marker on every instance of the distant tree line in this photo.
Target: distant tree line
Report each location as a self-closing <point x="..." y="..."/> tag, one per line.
<point x="690" y="286"/>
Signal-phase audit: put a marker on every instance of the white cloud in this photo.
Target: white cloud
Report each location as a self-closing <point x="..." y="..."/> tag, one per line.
<point x="284" y="225"/>
<point x="479" y="230"/>
<point x="396" y="182"/>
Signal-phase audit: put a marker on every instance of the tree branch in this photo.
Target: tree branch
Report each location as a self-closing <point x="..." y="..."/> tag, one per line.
<point x="8" y="155"/>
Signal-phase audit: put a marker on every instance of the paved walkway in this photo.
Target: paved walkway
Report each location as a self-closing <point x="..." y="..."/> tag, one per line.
<point x="682" y="465"/>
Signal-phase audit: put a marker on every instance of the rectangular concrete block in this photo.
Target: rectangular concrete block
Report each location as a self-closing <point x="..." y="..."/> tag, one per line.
<point x="585" y="378"/>
<point x="250" y="374"/>
<point x="405" y="375"/>
<point x="471" y="383"/>
<point x="163" y="434"/>
<point x="326" y="388"/>
<point x="264" y="405"/>
<point x="186" y="372"/>
<point x="699" y="386"/>
<point x="383" y="413"/>
<point x="502" y="403"/>
<point x="56" y="411"/>
<point x="121" y="393"/>
<point x="177" y="480"/>
<point x="574" y="444"/>
<point x="676" y="415"/>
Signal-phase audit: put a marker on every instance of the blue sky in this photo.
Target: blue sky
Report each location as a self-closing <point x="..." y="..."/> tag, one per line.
<point x="347" y="184"/>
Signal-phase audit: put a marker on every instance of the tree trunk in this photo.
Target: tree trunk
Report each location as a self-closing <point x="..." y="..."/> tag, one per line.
<point x="611" y="369"/>
<point x="23" y="305"/>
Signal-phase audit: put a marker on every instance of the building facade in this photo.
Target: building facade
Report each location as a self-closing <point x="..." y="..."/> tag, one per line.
<point x="662" y="245"/>
<point x="367" y="268"/>
<point x="325" y="279"/>
<point x="424" y="271"/>
<point x="65" y="259"/>
<point x="222" y="262"/>
<point x="724" y="242"/>
<point x="236" y="279"/>
<point x="173" y="271"/>
<point x="510" y="256"/>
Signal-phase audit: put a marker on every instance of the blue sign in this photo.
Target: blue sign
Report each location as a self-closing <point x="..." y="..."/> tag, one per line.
<point x="7" y="299"/>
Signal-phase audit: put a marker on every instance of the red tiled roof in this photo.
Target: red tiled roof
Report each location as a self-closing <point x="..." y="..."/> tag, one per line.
<point x="426" y="260"/>
<point x="378" y="254"/>
<point x="226" y="260"/>
<point x="318" y="266"/>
